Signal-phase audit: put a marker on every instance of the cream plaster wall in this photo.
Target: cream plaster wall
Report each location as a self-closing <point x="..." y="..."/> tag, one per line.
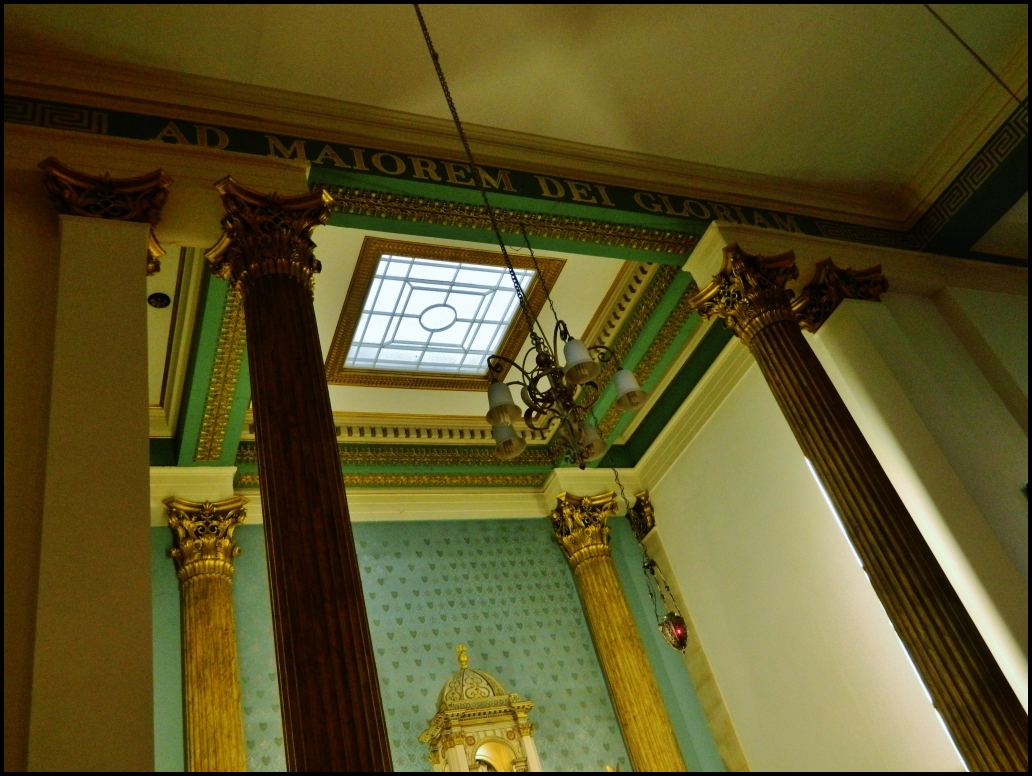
<point x="1002" y="319"/>
<point x="92" y="677"/>
<point x="30" y="300"/>
<point x="952" y="450"/>
<point x="811" y="670"/>
<point x="190" y="217"/>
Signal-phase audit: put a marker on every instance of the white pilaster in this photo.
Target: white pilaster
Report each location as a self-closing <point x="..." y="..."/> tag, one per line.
<point x="530" y="750"/>
<point x="93" y="618"/>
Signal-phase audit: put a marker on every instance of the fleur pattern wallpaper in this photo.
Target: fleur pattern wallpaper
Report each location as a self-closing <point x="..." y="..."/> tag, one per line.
<point x="502" y="587"/>
<point x="259" y="687"/>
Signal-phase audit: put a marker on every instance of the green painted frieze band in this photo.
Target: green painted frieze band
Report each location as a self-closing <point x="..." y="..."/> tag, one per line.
<point x="381" y="169"/>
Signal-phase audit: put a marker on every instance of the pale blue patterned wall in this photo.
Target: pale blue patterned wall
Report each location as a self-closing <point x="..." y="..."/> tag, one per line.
<point x="263" y="725"/>
<point x="502" y="587"/>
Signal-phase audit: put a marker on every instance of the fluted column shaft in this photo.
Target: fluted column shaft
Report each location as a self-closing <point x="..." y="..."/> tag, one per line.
<point x="332" y="711"/>
<point x="211" y="676"/>
<point x="981" y="710"/>
<point x="580" y="527"/>
<point x="966" y="684"/>
<point x="202" y="550"/>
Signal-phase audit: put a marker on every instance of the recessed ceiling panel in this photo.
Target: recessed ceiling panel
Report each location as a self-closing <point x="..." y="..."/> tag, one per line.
<point x="432" y="316"/>
<point x="429" y="316"/>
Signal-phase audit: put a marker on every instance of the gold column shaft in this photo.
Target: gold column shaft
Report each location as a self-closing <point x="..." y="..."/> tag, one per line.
<point x="648" y="734"/>
<point x="639" y="708"/>
<point x="981" y="710"/>
<point x="211" y="676"/>
<point x="203" y="550"/>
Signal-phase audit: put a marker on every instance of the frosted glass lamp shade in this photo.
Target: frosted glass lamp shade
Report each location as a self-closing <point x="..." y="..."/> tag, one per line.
<point x="580" y="366"/>
<point x="502" y="410"/>
<point x="629" y="394"/>
<point x="590" y="442"/>
<point x="509" y="443"/>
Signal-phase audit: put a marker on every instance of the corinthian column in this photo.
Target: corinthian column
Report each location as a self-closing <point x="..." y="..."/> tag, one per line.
<point x="967" y="686"/>
<point x="580" y="526"/>
<point x="203" y="550"/>
<point x="332" y="712"/>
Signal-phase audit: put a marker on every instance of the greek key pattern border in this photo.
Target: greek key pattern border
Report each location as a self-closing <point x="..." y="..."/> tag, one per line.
<point x="19" y="110"/>
<point x="972" y="177"/>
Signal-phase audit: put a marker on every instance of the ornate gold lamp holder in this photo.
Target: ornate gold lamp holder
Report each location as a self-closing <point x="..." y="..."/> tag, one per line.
<point x="556" y="394"/>
<point x="642" y="517"/>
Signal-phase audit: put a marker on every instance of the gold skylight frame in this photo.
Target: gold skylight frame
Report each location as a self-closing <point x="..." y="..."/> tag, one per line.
<point x="368" y="260"/>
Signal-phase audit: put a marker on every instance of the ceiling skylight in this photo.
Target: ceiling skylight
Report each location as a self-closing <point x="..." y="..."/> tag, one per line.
<point x="422" y="315"/>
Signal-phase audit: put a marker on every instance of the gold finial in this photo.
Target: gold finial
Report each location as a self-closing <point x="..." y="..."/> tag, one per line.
<point x="460" y="650"/>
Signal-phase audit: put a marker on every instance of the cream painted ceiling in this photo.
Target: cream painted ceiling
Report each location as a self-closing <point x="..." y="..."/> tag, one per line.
<point x="856" y="96"/>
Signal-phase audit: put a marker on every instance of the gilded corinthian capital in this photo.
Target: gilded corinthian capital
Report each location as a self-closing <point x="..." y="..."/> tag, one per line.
<point x="137" y="199"/>
<point x="749" y="291"/>
<point x="830" y="285"/>
<point x="267" y="234"/>
<point x="579" y="524"/>
<point x="202" y="535"/>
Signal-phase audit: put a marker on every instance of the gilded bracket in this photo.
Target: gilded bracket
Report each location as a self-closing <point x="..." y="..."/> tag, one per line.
<point x="749" y="291"/>
<point x="641" y="515"/>
<point x="266" y="234"/>
<point x="830" y="285"/>
<point x="137" y="199"/>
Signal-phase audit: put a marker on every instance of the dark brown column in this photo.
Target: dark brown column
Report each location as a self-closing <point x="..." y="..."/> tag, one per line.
<point x="983" y="714"/>
<point x="332" y="713"/>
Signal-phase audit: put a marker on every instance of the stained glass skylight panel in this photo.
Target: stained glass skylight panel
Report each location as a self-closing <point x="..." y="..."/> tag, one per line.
<point x="423" y="315"/>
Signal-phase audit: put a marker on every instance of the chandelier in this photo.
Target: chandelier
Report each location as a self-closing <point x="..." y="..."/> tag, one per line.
<point x="554" y="393"/>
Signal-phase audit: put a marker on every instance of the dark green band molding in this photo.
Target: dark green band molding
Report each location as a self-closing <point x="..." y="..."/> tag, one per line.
<point x="384" y="170"/>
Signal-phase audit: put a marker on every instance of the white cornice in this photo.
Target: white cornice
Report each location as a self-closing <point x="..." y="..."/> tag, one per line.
<point x="381" y="504"/>
<point x="394" y="504"/>
<point x="188" y="97"/>
<point x="983" y="116"/>
<point x="909" y="272"/>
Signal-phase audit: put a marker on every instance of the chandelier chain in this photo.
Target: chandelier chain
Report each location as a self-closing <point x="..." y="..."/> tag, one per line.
<point x="973" y="53"/>
<point x="616" y="475"/>
<point x="541" y="341"/>
<point x="544" y="284"/>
